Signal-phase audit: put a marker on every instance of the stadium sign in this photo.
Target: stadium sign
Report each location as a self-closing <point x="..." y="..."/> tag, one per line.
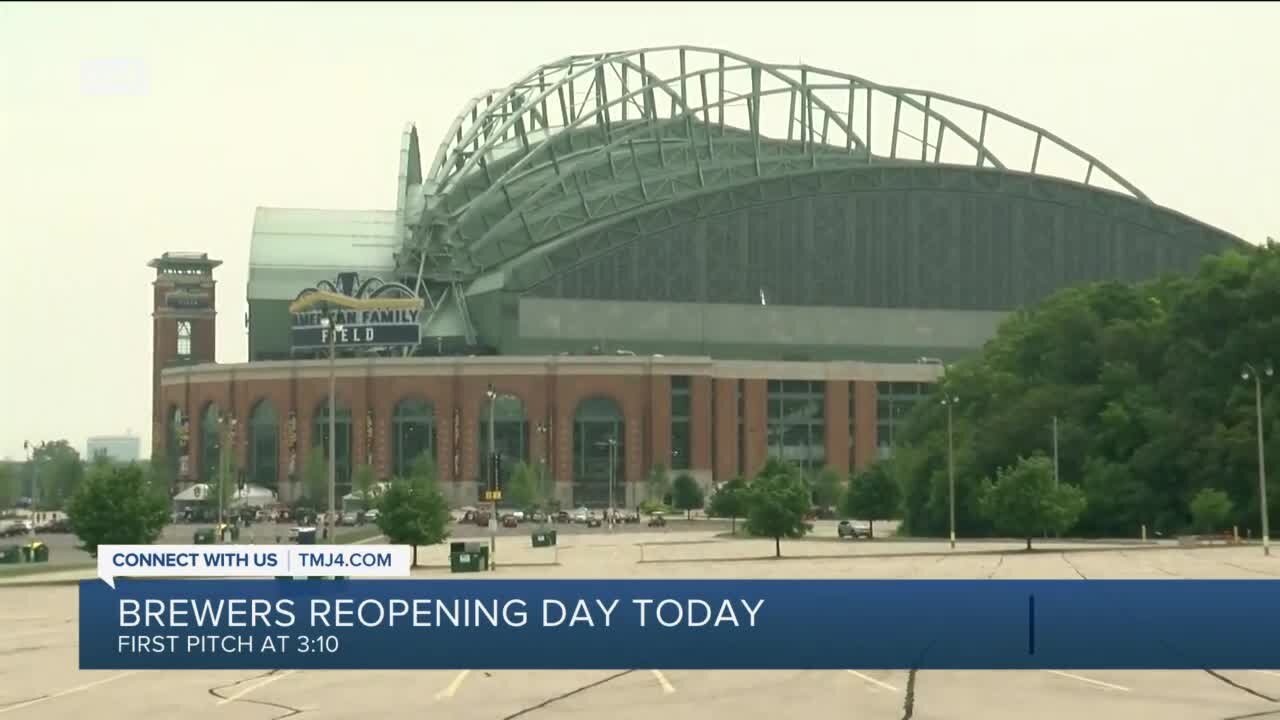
<point x="350" y="313"/>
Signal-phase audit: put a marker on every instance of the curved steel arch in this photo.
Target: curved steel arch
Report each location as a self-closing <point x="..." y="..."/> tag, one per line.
<point x="507" y="180"/>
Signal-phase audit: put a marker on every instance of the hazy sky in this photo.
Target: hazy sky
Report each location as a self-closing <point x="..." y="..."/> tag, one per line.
<point x="217" y="109"/>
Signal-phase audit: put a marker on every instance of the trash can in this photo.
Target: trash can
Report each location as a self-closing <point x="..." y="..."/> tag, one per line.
<point x="468" y="557"/>
<point x="10" y="555"/>
<point x="35" y="552"/>
<point x="306" y="536"/>
<point x="544" y="538"/>
<point x="204" y="536"/>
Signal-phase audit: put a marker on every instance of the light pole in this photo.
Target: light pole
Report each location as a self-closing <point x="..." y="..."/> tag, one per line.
<point x="544" y="475"/>
<point x="32" y="458"/>
<point x="332" y="328"/>
<point x="227" y="428"/>
<point x="612" y="443"/>
<point x="950" y="402"/>
<point x="493" y="478"/>
<point x="1252" y="372"/>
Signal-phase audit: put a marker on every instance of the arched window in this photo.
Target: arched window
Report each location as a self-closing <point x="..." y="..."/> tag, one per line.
<point x="210" y="443"/>
<point x="598" y="434"/>
<point x="342" y="448"/>
<point x="510" y="436"/>
<point x="264" y="445"/>
<point x="412" y="433"/>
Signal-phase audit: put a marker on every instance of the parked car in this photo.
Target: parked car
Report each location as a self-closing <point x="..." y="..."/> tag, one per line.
<point x="60" y="525"/>
<point x="371" y="516"/>
<point x="854" y="529"/>
<point x="593" y="521"/>
<point x="582" y="515"/>
<point x="537" y="516"/>
<point x="563" y="517"/>
<point x="657" y="520"/>
<point x="349" y="517"/>
<point x="480" y="518"/>
<point x="510" y="520"/>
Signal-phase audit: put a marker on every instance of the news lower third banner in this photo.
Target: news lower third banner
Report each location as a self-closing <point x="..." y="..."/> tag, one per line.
<point x="679" y="624"/>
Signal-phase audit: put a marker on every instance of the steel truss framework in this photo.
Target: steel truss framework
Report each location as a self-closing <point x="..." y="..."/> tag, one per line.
<point x="610" y="146"/>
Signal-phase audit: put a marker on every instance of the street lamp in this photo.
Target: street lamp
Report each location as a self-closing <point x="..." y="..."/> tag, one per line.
<point x="493" y="478"/>
<point x="332" y="329"/>
<point x="227" y="428"/>
<point x="612" y="444"/>
<point x="1250" y="372"/>
<point x="950" y="402"/>
<point x="32" y="449"/>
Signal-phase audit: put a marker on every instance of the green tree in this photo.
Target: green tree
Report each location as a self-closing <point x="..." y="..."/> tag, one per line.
<point x="520" y="490"/>
<point x="777" y="500"/>
<point x="423" y="466"/>
<point x="160" y="472"/>
<point x="10" y="486"/>
<point x="115" y="505"/>
<point x="730" y="501"/>
<point x="1209" y="509"/>
<point x="315" y="479"/>
<point x="686" y="494"/>
<point x="1024" y="500"/>
<point x="873" y="493"/>
<point x="413" y="512"/>
<point x="365" y="481"/>
<point x="658" y="485"/>
<point x="54" y="472"/>
<point x="826" y="488"/>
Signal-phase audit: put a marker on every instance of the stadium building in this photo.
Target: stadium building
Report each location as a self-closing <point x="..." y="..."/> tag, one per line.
<point x="672" y="256"/>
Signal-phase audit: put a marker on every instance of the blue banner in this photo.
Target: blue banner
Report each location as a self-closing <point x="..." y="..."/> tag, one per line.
<point x="680" y="624"/>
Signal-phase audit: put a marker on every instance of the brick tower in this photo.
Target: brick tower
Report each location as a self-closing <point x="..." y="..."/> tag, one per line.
<point x="182" y="325"/>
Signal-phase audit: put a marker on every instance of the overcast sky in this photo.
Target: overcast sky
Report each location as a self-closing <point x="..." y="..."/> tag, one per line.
<point x="223" y="108"/>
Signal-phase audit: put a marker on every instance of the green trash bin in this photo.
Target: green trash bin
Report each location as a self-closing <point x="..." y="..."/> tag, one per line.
<point x="204" y="536"/>
<point x="461" y="562"/>
<point x="10" y="555"/>
<point x="544" y="538"/>
<point x="35" y="552"/>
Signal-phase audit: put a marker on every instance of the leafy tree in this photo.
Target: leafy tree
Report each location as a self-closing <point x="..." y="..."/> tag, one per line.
<point x="686" y="493"/>
<point x="423" y="466"/>
<point x="116" y="506"/>
<point x="414" y="512"/>
<point x="10" y="489"/>
<point x="160" y="472"/>
<point x="520" y="490"/>
<point x="315" y="478"/>
<point x="826" y="488"/>
<point x="873" y="493"/>
<point x="54" y="472"/>
<point x="1144" y="382"/>
<point x="1209" y="509"/>
<point x="658" y="485"/>
<point x="365" y="481"/>
<point x="777" y="500"/>
<point x="730" y="501"/>
<point x="1024" y="501"/>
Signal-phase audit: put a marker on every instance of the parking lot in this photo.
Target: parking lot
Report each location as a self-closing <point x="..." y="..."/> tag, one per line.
<point x="38" y="653"/>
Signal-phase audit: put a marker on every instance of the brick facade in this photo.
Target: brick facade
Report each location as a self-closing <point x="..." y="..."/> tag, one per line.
<point x="550" y="389"/>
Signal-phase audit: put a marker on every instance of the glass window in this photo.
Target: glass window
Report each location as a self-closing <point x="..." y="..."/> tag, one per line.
<point x="412" y="434"/>
<point x="894" y="402"/>
<point x="681" y="437"/>
<point x="598" y="436"/>
<point x="184" y="338"/>
<point x="342" y="447"/>
<point x="796" y="425"/>
<point x="510" y="436"/>
<point x="210" y="443"/>
<point x="264" y="445"/>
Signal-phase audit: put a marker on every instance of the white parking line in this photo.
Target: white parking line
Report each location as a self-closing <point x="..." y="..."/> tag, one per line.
<point x="667" y="688"/>
<point x="69" y="691"/>
<point x="1268" y="672"/>
<point x="376" y="538"/>
<point x="873" y="681"/>
<point x="1091" y="681"/>
<point x="254" y="686"/>
<point x="453" y="686"/>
